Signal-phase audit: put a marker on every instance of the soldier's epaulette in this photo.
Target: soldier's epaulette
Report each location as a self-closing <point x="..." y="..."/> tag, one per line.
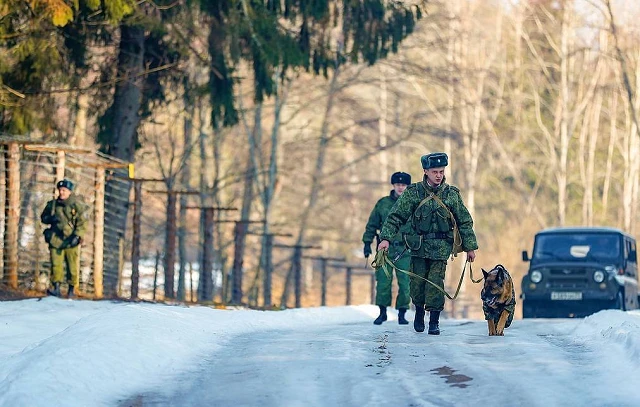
<point x="455" y="188"/>
<point x="412" y="188"/>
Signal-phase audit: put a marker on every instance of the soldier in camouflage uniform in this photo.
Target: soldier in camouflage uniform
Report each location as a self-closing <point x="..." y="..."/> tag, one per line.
<point x="66" y="216"/>
<point x="384" y="274"/>
<point x="430" y="204"/>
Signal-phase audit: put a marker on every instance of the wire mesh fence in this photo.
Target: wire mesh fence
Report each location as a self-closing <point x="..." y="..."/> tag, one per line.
<point x="28" y="174"/>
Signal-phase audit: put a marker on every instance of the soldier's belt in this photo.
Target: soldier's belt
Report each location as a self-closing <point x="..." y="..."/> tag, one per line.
<point x="382" y="259"/>
<point x="436" y="235"/>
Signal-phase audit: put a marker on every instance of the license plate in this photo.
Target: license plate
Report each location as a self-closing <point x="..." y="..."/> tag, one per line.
<point x="566" y="295"/>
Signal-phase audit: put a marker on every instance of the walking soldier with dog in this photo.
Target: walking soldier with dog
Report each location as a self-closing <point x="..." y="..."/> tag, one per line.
<point x="441" y="227"/>
<point x="384" y="274"/>
<point x="66" y="216"/>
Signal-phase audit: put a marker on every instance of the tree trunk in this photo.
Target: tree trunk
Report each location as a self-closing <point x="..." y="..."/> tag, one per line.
<point x="170" y="243"/>
<point x="79" y="130"/>
<point x="245" y="214"/>
<point x="561" y="174"/>
<point x="613" y="139"/>
<point x="124" y="124"/>
<point x="316" y="177"/>
<point x="203" y="187"/>
<point x="382" y="128"/>
<point x="269" y="190"/>
<point x="185" y="182"/>
<point x="454" y="26"/>
<point x="635" y="162"/>
<point x="594" y="129"/>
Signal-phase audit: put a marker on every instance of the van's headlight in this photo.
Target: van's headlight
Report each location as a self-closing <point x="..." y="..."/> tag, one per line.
<point x="536" y="276"/>
<point x="598" y="276"/>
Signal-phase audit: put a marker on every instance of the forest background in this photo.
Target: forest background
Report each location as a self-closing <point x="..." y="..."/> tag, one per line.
<point x="535" y="101"/>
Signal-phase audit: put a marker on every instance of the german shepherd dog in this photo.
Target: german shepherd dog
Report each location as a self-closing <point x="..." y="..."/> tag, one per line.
<point x="498" y="299"/>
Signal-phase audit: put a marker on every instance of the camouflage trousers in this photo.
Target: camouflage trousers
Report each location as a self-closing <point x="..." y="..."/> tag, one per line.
<point x="65" y="263"/>
<point x="423" y="292"/>
<point x="384" y="280"/>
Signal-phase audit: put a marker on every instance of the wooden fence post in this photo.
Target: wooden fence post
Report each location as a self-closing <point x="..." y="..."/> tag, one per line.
<point x="12" y="215"/>
<point x="98" y="234"/>
<point x="236" y="276"/>
<point x="191" y="280"/>
<point x="323" y="274"/>
<point x="135" y="244"/>
<point x="348" y="285"/>
<point x="137" y="233"/>
<point x="206" y="269"/>
<point x="268" y="270"/>
<point x="3" y="200"/>
<point x="120" y="264"/>
<point x="297" y="270"/>
<point x="205" y="279"/>
<point x="170" y="243"/>
<point x="155" y="274"/>
<point x="61" y="163"/>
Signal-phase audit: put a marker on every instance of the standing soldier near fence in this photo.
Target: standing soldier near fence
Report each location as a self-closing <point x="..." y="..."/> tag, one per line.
<point x="384" y="274"/>
<point x="67" y="217"/>
<point x="442" y="227"/>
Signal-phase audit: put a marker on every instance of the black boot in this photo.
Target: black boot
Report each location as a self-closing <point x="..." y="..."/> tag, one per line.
<point x="418" y="321"/>
<point x="401" y="319"/>
<point x="71" y="293"/>
<point x="434" y="317"/>
<point x="382" y="317"/>
<point x="56" y="290"/>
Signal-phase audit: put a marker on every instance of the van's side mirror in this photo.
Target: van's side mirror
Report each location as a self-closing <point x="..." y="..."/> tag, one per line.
<point x="525" y="256"/>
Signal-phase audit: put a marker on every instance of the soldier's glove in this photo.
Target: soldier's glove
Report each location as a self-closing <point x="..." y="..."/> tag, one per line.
<point x="367" y="249"/>
<point x="74" y="240"/>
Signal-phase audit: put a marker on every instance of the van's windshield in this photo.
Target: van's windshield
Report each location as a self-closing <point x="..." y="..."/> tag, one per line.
<point x="599" y="247"/>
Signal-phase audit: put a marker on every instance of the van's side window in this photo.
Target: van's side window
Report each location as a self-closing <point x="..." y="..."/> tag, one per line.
<point x="630" y="257"/>
<point x="629" y="251"/>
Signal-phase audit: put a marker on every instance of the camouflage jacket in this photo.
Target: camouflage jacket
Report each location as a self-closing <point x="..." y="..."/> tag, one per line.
<point x="376" y="219"/>
<point x="68" y="217"/>
<point x="432" y="229"/>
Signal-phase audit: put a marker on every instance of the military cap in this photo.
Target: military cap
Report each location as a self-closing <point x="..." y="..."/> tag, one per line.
<point x="401" y="178"/>
<point x="65" y="183"/>
<point x="434" y="160"/>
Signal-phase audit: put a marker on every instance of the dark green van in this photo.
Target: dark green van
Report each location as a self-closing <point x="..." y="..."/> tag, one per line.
<point x="574" y="272"/>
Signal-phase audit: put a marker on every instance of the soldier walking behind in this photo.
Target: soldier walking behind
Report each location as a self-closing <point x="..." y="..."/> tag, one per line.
<point x="384" y="274"/>
<point x="66" y="216"/>
<point x="442" y="227"/>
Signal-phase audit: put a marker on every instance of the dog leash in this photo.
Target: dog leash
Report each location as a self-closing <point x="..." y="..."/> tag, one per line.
<point x="382" y="259"/>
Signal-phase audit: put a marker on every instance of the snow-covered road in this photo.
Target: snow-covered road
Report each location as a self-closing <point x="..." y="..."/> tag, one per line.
<point x="537" y="363"/>
<point x="83" y="353"/>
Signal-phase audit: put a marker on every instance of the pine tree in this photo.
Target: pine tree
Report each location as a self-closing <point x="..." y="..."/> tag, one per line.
<point x="296" y="34"/>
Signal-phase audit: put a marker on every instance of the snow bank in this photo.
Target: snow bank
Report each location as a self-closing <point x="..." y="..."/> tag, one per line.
<point x="612" y="328"/>
<point x="78" y="353"/>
